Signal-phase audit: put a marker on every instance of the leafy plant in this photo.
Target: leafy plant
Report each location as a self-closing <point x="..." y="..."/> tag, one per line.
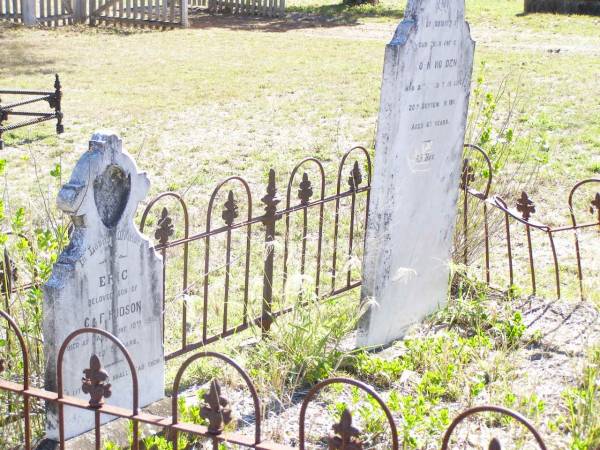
<point x="304" y="347"/>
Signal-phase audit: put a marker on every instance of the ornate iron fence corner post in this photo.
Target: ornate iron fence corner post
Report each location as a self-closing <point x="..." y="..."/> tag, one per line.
<point x="271" y="200"/>
<point x="164" y="231"/>
<point x="57" y="105"/>
<point x="467" y="177"/>
<point x="3" y="118"/>
<point x="33" y="117"/>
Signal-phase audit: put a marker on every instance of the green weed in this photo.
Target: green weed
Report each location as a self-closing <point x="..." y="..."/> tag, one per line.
<point x="583" y="407"/>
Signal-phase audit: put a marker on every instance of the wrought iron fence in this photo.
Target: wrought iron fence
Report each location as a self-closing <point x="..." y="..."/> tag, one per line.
<point x="314" y="233"/>
<point x="12" y="109"/>
<point x="215" y="412"/>
<point x="231" y="276"/>
<point x="309" y="206"/>
<point x="583" y="202"/>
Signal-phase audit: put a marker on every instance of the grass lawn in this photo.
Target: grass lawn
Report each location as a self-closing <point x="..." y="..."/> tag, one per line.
<point x="233" y="95"/>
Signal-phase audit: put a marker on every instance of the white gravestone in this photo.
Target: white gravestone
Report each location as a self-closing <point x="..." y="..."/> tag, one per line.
<point x="108" y="277"/>
<point x="418" y="154"/>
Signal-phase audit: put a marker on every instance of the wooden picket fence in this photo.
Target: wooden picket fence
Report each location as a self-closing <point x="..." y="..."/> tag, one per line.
<point x="53" y="13"/>
<point x="50" y="13"/>
<point x="10" y="10"/>
<point x="154" y="13"/>
<point x="269" y="8"/>
<point x="159" y="13"/>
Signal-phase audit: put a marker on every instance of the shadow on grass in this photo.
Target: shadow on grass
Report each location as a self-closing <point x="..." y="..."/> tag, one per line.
<point x="17" y="140"/>
<point x="342" y="10"/>
<point x="17" y="58"/>
<point x="297" y="17"/>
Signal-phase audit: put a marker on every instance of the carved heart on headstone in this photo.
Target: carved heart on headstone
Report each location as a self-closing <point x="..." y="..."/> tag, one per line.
<point x="111" y="193"/>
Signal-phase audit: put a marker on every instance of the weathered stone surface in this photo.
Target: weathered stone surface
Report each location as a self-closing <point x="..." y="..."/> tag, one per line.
<point x="424" y="101"/>
<point x="108" y="277"/>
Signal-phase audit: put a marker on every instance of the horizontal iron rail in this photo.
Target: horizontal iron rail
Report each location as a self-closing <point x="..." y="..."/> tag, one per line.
<point x="24" y="92"/>
<point x="572" y="228"/>
<point x="25" y="123"/>
<point x="256" y="322"/>
<point x="29" y="101"/>
<point x="150" y="419"/>
<point x="258" y="219"/>
<point x="32" y="114"/>
<point x="540" y="226"/>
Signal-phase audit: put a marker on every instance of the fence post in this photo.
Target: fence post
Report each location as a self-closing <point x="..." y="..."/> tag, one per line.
<point x="92" y="9"/>
<point x="271" y="199"/>
<point x="80" y="11"/>
<point x="184" y="13"/>
<point x="28" y="12"/>
<point x="57" y="105"/>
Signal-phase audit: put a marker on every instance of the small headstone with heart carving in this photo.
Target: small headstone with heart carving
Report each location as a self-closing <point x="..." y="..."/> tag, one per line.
<point x="108" y="277"/>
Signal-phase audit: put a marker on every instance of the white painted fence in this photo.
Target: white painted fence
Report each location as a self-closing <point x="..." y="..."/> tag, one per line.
<point x="39" y="12"/>
<point x="159" y="13"/>
<point x="11" y="10"/>
<point x="269" y="8"/>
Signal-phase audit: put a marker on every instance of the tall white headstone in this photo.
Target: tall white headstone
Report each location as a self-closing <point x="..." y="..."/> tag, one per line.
<point x="418" y="153"/>
<point x="108" y="277"/>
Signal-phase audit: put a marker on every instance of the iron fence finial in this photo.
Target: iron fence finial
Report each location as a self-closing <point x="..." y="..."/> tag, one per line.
<point x="94" y="383"/>
<point x="525" y="206"/>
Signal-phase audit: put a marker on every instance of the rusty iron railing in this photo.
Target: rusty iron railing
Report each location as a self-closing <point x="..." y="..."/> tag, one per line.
<point x="323" y="249"/>
<point x="274" y="277"/>
<point x="12" y="109"/>
<point x="216" y="411"/>
<point x="584" y="216"/>
<point x="249" y="284"/>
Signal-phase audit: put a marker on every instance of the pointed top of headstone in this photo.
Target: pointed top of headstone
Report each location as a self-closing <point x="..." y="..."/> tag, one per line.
<point x="105" y="187"/>
<point x="452" y="9"/>
<point x="429" y="14"/>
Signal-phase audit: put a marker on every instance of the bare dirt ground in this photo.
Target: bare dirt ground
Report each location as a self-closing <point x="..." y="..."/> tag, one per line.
<point x="375" y="30"/>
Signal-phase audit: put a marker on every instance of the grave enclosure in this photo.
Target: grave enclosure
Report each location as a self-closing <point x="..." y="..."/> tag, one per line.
<point x="106" y="301"/>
